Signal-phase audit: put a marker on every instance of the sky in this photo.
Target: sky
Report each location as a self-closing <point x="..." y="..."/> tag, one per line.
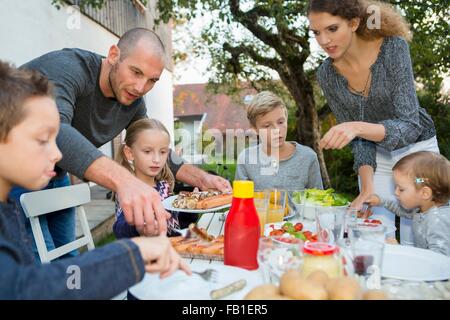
<point x="193" y="70"/>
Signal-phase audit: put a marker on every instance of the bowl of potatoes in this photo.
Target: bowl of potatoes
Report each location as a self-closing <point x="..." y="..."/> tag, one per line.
<point x="316" y="286"/>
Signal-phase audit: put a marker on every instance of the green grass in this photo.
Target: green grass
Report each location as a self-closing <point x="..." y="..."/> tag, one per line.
<point x="108" y="239"/>
<point x="226" y="171"/>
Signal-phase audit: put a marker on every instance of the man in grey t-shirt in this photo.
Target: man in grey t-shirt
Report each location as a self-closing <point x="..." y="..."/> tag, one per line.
<point x="97" y="98"/>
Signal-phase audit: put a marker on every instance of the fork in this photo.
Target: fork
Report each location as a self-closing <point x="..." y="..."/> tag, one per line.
<point x="207" y="275"/>
<point x="364" y="209"/>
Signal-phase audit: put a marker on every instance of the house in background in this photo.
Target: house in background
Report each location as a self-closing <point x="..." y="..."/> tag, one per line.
<point x="32" y="28"/>
<point x="188" y="137"/>
<point x="197" y="111"/>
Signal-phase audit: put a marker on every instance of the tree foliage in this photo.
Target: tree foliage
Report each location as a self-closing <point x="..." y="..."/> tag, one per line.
<point x="430" y="47"/>
<point x="254" y="42"/>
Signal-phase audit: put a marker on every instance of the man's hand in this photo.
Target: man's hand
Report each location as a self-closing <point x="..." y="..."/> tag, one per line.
<point x="196" y="177"/>
<point x="141" y="205"/>
<point x="159" y="256"/>
<point x="211" y="181"/>
<point x="339" y="136"/>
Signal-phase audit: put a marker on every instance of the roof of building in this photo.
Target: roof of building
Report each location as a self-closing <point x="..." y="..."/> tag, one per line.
<point x="222" y="111"/>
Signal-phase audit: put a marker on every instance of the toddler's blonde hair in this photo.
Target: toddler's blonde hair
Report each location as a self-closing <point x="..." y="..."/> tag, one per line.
<point x="428" y="169"/>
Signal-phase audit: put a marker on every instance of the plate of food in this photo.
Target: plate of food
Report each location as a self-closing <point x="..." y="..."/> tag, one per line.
<point x="304" y="231"/>
<point x="180" y="286"/>
<point x="198" y="201"/>
<point x="197" y="243"/>
<point x="369" y="222"/>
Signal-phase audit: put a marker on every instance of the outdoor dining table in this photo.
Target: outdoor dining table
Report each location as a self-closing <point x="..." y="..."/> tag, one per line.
<point x="214" y="223"/>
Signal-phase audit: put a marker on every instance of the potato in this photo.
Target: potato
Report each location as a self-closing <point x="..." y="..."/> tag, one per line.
<point x="277" y="297"/>
<point x="294" y="286"/>
<point x="375" y="295"/>
<point x="263" y="292"/>
<point x="318" y="276"/>
<point x="344" y="288"/>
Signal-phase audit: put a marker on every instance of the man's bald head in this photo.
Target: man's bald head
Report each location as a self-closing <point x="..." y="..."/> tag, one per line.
<point x="130" y="40"/>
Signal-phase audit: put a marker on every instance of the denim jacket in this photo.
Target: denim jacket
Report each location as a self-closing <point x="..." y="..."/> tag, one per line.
<point x="99" y="274"/>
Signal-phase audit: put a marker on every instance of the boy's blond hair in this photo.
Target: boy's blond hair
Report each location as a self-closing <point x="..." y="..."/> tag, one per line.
<point x="428" y="169"/>
<point x="16" y="86"/>
<point x="263" y="103"/>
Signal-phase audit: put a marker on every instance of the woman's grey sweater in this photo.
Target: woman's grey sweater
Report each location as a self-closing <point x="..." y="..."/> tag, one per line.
<point x="392" y="102"/>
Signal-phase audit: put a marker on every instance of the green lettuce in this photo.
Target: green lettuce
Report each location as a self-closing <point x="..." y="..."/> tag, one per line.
<point x="319" y="197"/>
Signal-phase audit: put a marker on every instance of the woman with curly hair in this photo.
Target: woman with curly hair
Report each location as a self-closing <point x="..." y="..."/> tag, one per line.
<point x="368" y="82"/>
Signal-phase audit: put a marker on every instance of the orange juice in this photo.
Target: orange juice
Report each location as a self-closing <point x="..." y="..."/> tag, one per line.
<point x="275" y="197"/>
<point x="261" y="208"/>
<point x="262" y="215"/>
<point x="275" y="213"/>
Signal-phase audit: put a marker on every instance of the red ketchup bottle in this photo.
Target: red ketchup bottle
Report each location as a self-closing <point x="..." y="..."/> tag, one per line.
<point x="242" y="228"/>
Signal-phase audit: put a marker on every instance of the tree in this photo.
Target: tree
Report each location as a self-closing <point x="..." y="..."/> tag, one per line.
<point x="430" y="47"/>
<point x="247" y="45"/>
<point x="250" y="40"/>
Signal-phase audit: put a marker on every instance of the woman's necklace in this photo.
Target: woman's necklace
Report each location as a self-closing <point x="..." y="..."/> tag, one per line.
<point x="363" y="92"/>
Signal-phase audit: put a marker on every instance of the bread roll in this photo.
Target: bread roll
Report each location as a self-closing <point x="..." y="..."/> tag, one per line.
<point x="375" y="295"/>
<point x="263" y="292"/>
<point x="294" y="286"/>
<point x="344" y="288"/>
<point x="318" y="276"/>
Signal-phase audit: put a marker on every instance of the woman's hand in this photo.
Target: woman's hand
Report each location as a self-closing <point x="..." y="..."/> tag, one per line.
<point x="360" y="199"/>
<point x="373" y="200"/>
<point x="339" y="136"/>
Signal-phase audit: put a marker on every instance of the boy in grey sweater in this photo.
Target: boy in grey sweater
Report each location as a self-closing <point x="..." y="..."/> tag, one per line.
<point x="422" y="187"/>
<point x="276" y="163"/>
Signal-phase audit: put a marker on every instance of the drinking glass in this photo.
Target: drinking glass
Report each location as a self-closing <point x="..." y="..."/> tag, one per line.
<point x="375" y="232"/>
<point x="277" y="205"/>
<point x="331" y="223"/>
<point x="367" y="247"/>
<point x="276" y="255"/>
<point x="261" y="201"/>
<point x="296" y="202"/>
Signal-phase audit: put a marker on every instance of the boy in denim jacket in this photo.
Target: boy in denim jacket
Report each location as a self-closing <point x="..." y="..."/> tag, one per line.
<point x="29" y="124"/>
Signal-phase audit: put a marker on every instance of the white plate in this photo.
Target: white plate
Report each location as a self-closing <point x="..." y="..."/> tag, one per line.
<point x="167" y="204"/>
<point x="307" y="226"/>
<point x="414" y="264"/>
<point x="180" y="286"/>
<point x="390" y="229"/>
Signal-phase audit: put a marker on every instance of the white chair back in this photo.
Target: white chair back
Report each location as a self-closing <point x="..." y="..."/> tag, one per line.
<point x="42" y="202"/>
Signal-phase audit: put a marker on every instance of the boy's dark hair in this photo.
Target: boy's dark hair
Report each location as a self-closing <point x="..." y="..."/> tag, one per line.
<point x="15" y="87"/>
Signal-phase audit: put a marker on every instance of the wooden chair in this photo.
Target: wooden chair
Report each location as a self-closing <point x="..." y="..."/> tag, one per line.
<point x="42" y="202"/>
